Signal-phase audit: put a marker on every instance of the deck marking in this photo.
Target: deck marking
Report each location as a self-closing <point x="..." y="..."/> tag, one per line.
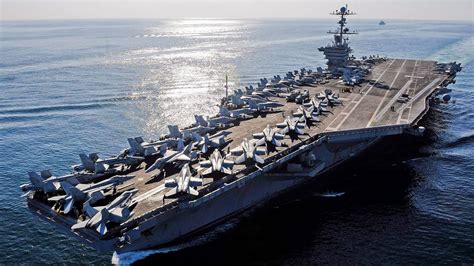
<point x="385" y="95"/>
<point x="406" y="88"/>
<point x="149" y="193"/>
<point x="418" y="95"/>
<point x="408" y="91"/>
<point x="363" y="96"/>
<point x="330" y="127"/>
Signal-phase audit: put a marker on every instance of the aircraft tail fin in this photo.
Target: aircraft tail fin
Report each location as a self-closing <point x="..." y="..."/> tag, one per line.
<point x="87" y="162"/>
<point x="135" y="146"/>
<point x="45" y="174"/>
<point x="200" y="120"/>
<point x="174" y="131"/>
<point x="36" y="180"/>
<point x="163" y="149"/>
<point x="258" y="159"/>
<point x="223" y="111"/>
<point x="253" y="104"/>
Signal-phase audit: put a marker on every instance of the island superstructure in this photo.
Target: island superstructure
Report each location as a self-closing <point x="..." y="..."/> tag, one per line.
<point x="337" y="53"/>
<point x="264" y="141"/>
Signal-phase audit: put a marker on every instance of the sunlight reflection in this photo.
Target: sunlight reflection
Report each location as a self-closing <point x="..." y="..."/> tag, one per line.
<point x="187" y="78"/>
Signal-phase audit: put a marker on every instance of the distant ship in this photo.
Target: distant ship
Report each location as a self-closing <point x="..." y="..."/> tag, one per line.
<point x="382" y="22"/>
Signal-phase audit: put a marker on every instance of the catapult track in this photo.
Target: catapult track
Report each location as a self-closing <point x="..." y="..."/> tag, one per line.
<point x="367" y="114"/>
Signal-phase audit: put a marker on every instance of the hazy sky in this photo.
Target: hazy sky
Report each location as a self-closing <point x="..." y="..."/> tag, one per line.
<point x="379" y="9"/>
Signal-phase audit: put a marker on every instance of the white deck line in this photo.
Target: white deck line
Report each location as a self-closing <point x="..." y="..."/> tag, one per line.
<point x="418" y="95"/>
<point x="385" y="96"/>
<point x="363" y="96"/>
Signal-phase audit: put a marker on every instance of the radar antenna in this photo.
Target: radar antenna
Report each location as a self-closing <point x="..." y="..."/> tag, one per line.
<point x="342" y="30"/>
<point x="338" y="52"/>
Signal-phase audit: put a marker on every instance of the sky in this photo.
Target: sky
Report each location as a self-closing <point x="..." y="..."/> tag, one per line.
<point x="232" y="9"/>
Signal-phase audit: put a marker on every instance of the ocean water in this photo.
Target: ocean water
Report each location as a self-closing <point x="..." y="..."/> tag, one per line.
<point x="69" y="87"/>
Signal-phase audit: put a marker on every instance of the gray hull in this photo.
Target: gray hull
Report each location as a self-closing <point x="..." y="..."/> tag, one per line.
<point x="188" y="218"/>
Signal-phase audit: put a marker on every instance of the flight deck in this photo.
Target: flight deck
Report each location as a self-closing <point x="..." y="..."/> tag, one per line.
<point x="364" y="106"/>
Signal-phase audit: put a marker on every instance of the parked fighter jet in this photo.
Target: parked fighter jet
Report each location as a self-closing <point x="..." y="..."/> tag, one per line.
<point x="121" y="159"/>
<point x="185" y="155"/>
<point x="183" y="183"/>
<point x="138" y="147"/>
<point x="256" y="98"/>
<point x="248" y="151"/>
<point x="46" y="182"/>
<point x="352" y="77"/>
<point x="117" y="211"/>
<point x="264" y="106"/>
<point x="206" y="142"/>
<point x="292" y="126"/>
<point x="186" y="134"/>
<point x="244" y="113"/>
<point x="93" y="164"/>
<point x="264" y="93"/>
<point x="269" y="135"/>
<point x="214" y="122"/>
<point x="236" y="100"/>
<point x="307" y="115"/>
<point x="216" y="163"/>
<point x="87" y="192"/>
<point x="87" y="163"/>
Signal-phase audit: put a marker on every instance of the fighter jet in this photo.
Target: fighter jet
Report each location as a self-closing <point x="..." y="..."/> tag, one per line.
<point x="206" y="142"/>
<point x="87" y="163"/>
<point x="185" y="155"/>
<point x="264" y="106"/>
<point x="307" y="115"/>
<point x="138" y="147"/>
<point x="244" y="113"/>
<point x="121" y="159"/>
<point x="117" y="211"/>
<point x="292" y="126"/>
<point x="237" y="101"/>
<point x="93" y="165"/>
<point x="183" y="183"/>
<point x="88" y="192"/>
<point x="328" y="98"/>
<point x="46" y="182"/>
<point x="248" y="151"/>
<point x="268" y="135"/>
<point x="214" y="122"/>
<point x="216" y="163"/>
<point x="186" y="134"/>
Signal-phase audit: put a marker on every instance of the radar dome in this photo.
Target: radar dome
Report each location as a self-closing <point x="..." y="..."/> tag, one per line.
<point x="343" y="9"/>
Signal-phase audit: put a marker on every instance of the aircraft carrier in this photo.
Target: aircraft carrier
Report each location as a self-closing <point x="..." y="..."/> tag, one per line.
<point x="264" y="141"/>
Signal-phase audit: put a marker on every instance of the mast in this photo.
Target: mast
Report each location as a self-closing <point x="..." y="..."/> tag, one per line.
<point x="226" y="87"/>
<point x="338" y="52"/>
<point x="342" y="30"/>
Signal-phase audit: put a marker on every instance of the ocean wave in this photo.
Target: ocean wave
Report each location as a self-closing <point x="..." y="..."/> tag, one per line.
<point x="54" y="108"/>
<point x="468" y="139"/>
<point x="129" y="258"/>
